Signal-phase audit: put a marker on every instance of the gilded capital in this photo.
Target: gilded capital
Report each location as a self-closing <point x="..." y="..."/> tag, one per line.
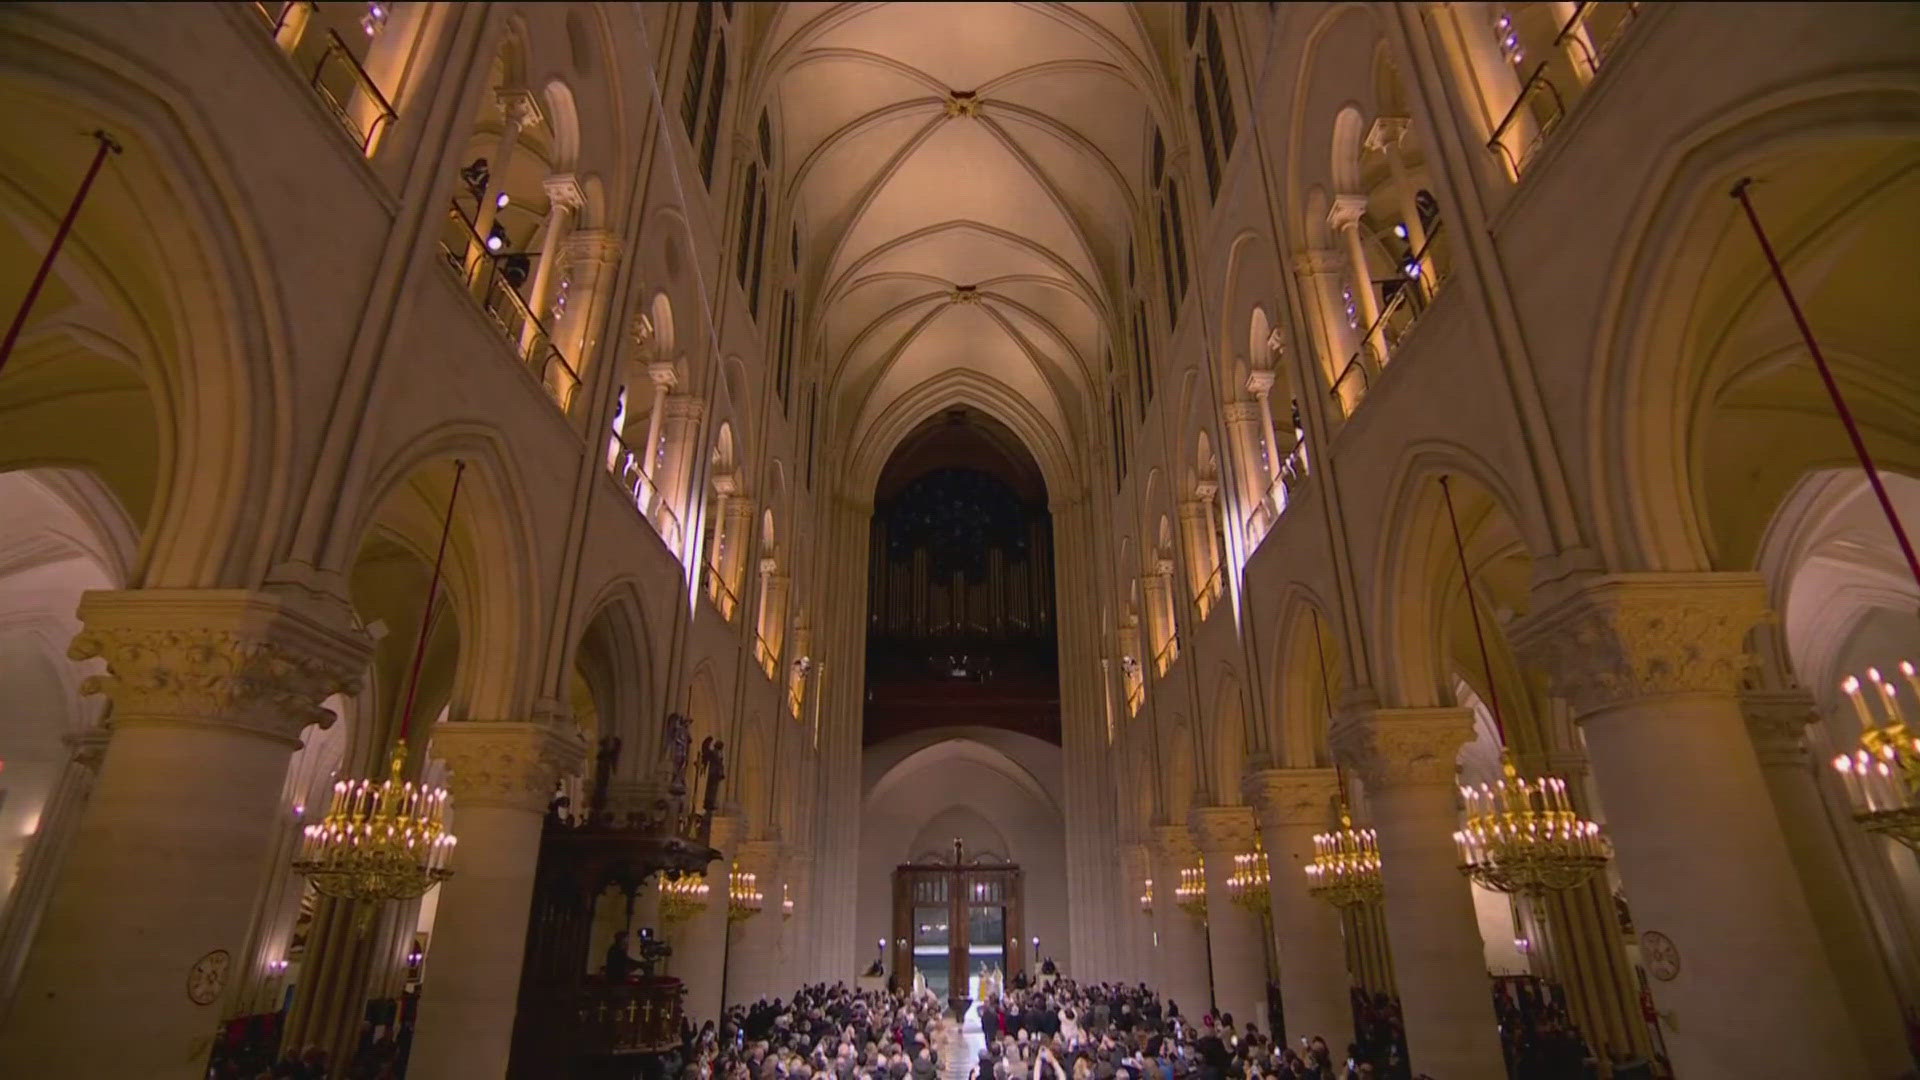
<point x="1222" y="831"/>
<point x="1403" y="747"/>
<point x="511" y="765"/>
<point x="257" y="661"/>
<point x="1292" y="797"/>
<point x="1629" y="637"/>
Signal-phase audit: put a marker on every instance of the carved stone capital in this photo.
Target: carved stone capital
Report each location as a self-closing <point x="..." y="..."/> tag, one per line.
<point x="1174" y="844"/>
<point x="1284" y="798"/>
<point x="1777" y="722"/>
<point x="256" y="661"/>
<point x="762" y="857"/>
<point x="520" y="107"/>
<point x="1386" y="132"/>
<point x="1625" y="638"/>
<point x="1346" y="211"/>
<point x="88" y="748"/>
<point x="662" y="374"/>
<point x="1403" y="747"/>
<point x="1205" y="490"/>
<point x="1259" y="381"/>
<point x="564" y="192"/>
<point x="1242" y="412"/>
<point x="1319" y="261"/>
<point x="1222" y="832"/>
<point x="512" y="765"/>
<point x="592" y="247"/>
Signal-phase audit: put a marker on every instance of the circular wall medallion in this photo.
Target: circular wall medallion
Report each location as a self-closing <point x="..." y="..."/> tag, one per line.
<point x="208" y="977"/>
<point x="1662" y="955"/>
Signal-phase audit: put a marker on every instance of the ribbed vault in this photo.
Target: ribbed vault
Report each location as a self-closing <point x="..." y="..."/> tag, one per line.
<point x="967" y="177"/>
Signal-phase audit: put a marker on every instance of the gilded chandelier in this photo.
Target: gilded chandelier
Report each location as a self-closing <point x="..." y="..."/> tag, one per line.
<point x="1191" y="893"/>
<point x="744" y="900"/>
<point x="1882" y="776"/>
<point x="1248" y="883"/>
<point x="1146" y="897"/>
<point x="387" y="840"/>
<point x="379" y="842"/>
<point x="1521" y="835"/>
<point x="683" y="897"/>
<point x="1345" y="870"/>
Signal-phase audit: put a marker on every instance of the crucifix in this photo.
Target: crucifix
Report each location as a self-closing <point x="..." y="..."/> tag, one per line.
<point x="957" y="913"/>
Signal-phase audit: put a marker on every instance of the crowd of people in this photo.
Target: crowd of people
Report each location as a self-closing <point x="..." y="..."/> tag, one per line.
<point x="251" y="1048"/>
<point x="1054" y="1031"/>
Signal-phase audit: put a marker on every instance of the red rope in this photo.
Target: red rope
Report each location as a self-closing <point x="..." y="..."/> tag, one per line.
<point x="433" y="592"/>
<point x="107" y="144"/>
<point x="1826" y="376"/>
<point x="1466" y="579"/>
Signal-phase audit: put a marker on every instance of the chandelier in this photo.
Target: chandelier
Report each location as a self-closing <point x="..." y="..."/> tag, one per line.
<point x="1191" y="893"/>
<point x="1521" y="835"/>
<point x="1146" y="897"/>
<point x="682" y="898"/>
<point x="1248" y="882"/>
<point x="386" y="840"/>
<point x="1882" y="776"/>
<point x="1345" y="870"/>
<point x="743" y="895"/>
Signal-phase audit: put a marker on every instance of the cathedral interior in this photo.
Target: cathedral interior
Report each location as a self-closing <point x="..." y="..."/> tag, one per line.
<point x="930" y="496"/>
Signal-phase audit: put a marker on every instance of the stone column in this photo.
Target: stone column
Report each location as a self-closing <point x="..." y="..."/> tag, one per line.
<point x="679" y="435"/>
<point x="1344" y="218"/>
<point x="1291" y="805"/>
<point x="520" y="111"/>
<point x="753" y="957"/>
<point x="1406" y="757"/>
<point x="1650" y="664"/>
<point x="1580" y="943"/>
<point x="47" y="851"/>
<point x="1180" y="955"/>
<point x="737" y="525"/>
<point x="590" y="256"/>
<point x="1369" y="956"/>
<point x="1319" y="271"/>
<point x="700" y="949"/>
<point x="1233" y="931"/>
<point x="1137" y="865"/>
<point x="661" y="373"/>
<point x="135" y="961"/>
<point x="1386" y="136"/>
<point x="794" y="968"/>
<point x="1488" y="78"/>
<point x="501" y="774"/>
<point x="1260" y="385"/>
<point x="1777" y="722"/>
<point x="1194" y="528"/>
<point x="1243" y="433"/>
<point x="564" y="199"/>
<point x="1156" y="592"/>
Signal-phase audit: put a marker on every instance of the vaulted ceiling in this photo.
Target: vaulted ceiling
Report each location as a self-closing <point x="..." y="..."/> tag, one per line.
<point x="968" y="176"/>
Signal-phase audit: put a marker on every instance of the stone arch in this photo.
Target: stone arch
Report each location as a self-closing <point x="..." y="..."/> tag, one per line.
<point x="1645" y="416"/>
<point x="1226" y="750"/>
<point x="612" y="653"/>
<point x="175" y="326"/>
<point x="491" y="558"/>
<point x="1416" y="613"/>
<point x="1308" y="679"/>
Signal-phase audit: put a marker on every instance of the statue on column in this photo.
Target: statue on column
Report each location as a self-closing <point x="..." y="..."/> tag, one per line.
<point x="678" y="744"/>
<point x="713" y="766"/>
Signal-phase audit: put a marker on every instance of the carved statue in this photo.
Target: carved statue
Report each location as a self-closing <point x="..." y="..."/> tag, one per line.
<point x="679" y="744"/>
<point x="603" y="765"/>
<point x="713" y="763"/>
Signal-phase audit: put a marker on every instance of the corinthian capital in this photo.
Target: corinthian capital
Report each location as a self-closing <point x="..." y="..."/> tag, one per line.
<point x="258" y="661"/>
<point x="1291" y="797"/>
<point x="1222" y="831"/>
<point x="1628" y="637"/>
<point x="1777" y="722"/>
<point x="1403" y="747"/>
<point x="512" y="765"/>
